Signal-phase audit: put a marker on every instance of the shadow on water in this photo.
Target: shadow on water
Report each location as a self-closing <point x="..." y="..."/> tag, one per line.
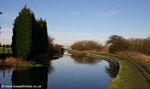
<point x="112" y="69"/>
<point x="36" y="76"/>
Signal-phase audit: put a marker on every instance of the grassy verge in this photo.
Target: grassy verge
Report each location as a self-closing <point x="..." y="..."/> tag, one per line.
<point x="29" y="64"/>
<point x="130" y="76"/>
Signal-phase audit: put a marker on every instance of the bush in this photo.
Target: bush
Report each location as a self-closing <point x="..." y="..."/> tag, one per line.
<point x="11" y="62"/>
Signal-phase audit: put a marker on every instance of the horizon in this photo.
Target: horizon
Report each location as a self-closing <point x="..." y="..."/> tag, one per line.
<point x="69" y="21"/>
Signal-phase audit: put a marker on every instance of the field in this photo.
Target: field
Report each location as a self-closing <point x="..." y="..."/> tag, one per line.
<point x="7" y="50"/>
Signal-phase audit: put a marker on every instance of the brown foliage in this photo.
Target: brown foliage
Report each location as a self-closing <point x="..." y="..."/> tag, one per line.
<point x="10" y="61"/>
<point x="135" y="55"/>
<point x="139" y="45"/>
<point x="119" y="44"/>
<point x="87" y="45"/>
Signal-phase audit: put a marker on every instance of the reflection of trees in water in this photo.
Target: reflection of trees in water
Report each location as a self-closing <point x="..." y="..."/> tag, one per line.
<point x="82" y="59"/>
<point x="32" y="76"/>
<point x="5" y="70"/>
<point x="112" y="69"/>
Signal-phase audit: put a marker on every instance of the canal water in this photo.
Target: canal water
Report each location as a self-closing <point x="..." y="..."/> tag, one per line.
<point x="67" y="72"/>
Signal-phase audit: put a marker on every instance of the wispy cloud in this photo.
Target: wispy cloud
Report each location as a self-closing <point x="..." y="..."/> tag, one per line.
<point x="76" y="13"/>
<point x="105" y="13"/>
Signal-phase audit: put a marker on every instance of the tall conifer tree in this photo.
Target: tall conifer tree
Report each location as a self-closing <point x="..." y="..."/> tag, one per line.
<point x="22" y="33"/>
<point x="30" y="37"/>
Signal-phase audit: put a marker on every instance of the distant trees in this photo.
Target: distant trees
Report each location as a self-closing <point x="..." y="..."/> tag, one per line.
<point x="86" y="45"/>
<point x="115" y="44"/>
<point x="118" y="43"/>
<point x="54" y="49"/>
<point x="139" y="45"/>
<point x="29" y="35"/>
<point x="7" y="45"/>
<point x="58" y="49"/>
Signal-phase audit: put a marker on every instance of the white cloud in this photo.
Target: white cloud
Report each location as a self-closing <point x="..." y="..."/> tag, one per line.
<point x="105" y="13"/>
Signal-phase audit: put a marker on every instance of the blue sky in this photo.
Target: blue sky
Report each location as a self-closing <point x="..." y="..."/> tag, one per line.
<point x="72" y="20"/>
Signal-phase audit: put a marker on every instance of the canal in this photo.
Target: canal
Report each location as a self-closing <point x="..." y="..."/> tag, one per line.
<point x="67" y="72"/>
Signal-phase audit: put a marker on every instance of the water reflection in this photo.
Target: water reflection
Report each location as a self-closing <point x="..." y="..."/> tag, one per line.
<point x="64" y="73"/>
<point x="5" y="70"/>
<point x="5" y="76"/>
<point x="82" y="59"/>
<point x="34" y="76"/>
<point x="112" y="69"/>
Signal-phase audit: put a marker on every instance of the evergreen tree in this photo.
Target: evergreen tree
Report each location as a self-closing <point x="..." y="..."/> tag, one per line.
<point x="22" y="33"/>
<point x="40" y="37"/>
<point x="13" y="45"/>
<point x="43" y="36"/>
<point x="30" y="37"/>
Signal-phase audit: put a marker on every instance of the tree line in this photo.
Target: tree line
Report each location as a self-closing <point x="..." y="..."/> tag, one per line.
<point x="86" y="45"/>
<point x="30" y="36"/>
<point x="116" y="44"/>
<point x="5" y="45"/>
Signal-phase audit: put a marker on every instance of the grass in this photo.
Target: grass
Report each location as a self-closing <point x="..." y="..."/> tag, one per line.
<point x="129" y="77"/>
<point x="28" y="64"/>
<point x="15" y="62"/>
<point x="6" y="50"/>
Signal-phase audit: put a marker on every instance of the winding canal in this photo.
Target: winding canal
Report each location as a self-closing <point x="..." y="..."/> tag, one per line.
<point x="67" y="72"/>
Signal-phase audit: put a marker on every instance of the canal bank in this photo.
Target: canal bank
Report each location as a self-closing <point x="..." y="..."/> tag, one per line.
<point x="133" y="74"/>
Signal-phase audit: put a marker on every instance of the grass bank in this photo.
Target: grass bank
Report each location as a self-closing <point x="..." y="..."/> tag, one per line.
<point x="133" y="73"/>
